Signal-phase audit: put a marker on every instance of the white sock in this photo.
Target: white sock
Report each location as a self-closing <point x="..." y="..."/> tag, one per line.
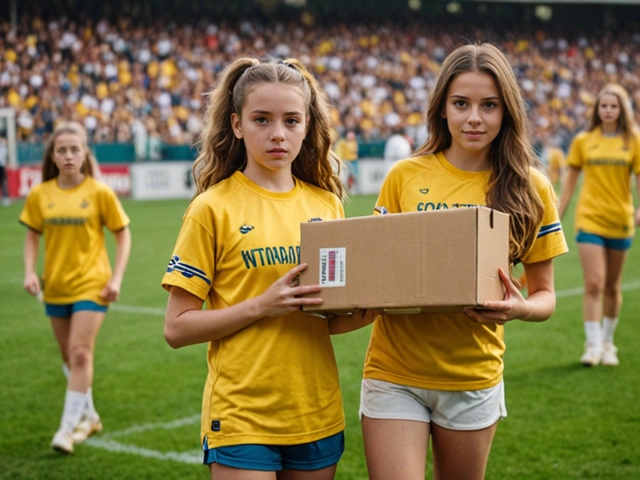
<point x="66" y="371"/>
<point x="74" y="403"/>
<point x="593" y="332"/>
<point x="89" y="408"/>
<point x="609" y="328"/>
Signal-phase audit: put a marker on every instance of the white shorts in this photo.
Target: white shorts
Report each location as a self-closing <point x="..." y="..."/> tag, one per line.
<point x="466" y="410"/>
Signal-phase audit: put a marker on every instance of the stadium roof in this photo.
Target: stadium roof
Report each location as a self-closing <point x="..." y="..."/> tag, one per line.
<point x="566" y="14"/>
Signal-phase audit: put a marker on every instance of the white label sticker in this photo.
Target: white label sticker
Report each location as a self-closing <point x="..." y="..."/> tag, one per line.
<point x="333" y="267"/>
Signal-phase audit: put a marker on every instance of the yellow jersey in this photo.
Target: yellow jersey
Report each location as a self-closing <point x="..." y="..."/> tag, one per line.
<point x="605" y="205"/>
<point x="447" y="351"/>
<point x="347" y="150"/>
<point x="555" y="163"/>
<point x="274" y="382"/>
<point x="72" y="221"/>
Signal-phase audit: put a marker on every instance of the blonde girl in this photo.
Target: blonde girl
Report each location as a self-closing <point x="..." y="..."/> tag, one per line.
<point x="70" y="209"/>
<point x="608" y="153"/>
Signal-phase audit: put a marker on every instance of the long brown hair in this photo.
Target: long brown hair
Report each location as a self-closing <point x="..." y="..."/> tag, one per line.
<point x="89" y="166"/>
<point x="221" y="153"/>
<point x="626" y="123"/>
<point x="510" y="188"/>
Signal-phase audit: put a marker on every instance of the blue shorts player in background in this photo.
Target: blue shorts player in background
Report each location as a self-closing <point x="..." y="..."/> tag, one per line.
<point x="272" y="406"/>
<point x="609" y="155"/>
<point x="438" y="376"/>
<point x="70" y="210"/>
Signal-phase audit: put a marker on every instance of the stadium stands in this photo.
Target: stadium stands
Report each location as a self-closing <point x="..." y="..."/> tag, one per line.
<point x="142" y="80"/>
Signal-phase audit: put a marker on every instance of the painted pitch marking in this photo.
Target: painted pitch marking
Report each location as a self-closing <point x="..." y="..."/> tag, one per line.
<point x="106" y="441"/>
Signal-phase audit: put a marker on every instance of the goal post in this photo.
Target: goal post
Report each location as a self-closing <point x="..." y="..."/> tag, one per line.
<point x="8" y="121"/>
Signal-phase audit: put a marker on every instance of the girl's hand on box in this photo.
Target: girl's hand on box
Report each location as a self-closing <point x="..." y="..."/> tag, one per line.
<point x="286" y="295"/>
<point x="512" y="307"/>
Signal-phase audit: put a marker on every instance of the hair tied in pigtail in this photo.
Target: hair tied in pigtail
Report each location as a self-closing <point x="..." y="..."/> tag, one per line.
<point x="237" y="76"/>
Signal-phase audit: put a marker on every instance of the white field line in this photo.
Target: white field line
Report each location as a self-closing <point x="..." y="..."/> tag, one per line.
<point x="572" y="292"/>
<point x="194" y="458"/>
<point x="153" y="426"/>
<point x="105" y="442"/>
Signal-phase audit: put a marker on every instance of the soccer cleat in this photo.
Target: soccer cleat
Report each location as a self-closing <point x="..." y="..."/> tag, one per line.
<point x="85" y="428"/>
<point x="591" y="356"/>
<point x="610" y="355"/>
<point x="62" y="441"/>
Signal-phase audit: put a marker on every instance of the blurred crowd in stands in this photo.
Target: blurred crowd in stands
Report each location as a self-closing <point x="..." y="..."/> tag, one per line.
<point x="146" y="83"/>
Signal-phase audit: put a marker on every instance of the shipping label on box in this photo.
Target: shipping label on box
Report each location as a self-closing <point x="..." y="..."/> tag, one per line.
<point x="332" y="267"/>
<point x="439" y="260"/>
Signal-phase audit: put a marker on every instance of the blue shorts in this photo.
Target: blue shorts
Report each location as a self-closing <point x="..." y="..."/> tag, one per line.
<point x="612" y="243"/>
<point x="68" y="309"/>
<point x="273" y="458"/>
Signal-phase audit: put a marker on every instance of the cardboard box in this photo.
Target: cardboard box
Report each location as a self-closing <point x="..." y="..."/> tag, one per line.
<point x="439" y="260"/>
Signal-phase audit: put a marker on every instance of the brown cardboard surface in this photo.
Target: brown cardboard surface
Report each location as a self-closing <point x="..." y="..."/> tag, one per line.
<point x="406" y="262"/>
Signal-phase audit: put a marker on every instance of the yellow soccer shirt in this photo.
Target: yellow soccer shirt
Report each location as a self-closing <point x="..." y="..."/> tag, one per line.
<point x="556" y="161"/>
<point x="605" y="205"/>
<point x="447" y="351"/>
<point x="72" y="221"/>
<point x="276" y="381"/>
<point x="347" y="150"/>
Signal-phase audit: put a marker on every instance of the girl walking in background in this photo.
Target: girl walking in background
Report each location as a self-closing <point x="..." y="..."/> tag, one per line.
<point x="609" y="154"/>
<point x="445" y="384"/>
<point x="70" y="209"/>
<point x="272" y="400"/>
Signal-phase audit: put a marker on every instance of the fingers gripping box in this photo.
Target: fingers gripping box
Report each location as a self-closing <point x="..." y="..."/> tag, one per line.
<point x="440" y="260"/>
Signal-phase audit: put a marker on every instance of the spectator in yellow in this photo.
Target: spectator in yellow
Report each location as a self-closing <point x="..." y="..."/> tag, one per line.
<point x="553" y="158"/>
<point x="347" y="149"/>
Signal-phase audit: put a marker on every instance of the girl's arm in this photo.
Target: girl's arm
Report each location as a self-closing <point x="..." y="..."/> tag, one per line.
<point x="568" y="187"/>
<point x="31" y="247"/>
<point x="537" y="307"/>
<point x="348" y="323"/>
<point x="111" y="290"/>
<point x="185" y="323"/>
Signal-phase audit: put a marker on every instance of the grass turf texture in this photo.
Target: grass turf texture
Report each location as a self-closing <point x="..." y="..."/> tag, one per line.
<point x="565" y="421"/>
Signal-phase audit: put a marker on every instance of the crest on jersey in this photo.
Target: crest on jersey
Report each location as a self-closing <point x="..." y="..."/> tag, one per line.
<point x="244" y="229"/>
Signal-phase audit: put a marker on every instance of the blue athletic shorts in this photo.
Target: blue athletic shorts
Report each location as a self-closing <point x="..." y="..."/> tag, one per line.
<point x="273" y="458"/>
<point x="68" y="309"/>
<point x="612" y="243"/>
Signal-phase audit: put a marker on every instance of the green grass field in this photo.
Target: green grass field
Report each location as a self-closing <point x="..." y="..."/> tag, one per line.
<point x="565" y="421"/>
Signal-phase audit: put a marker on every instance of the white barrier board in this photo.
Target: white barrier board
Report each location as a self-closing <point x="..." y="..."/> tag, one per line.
<point x="162" y="180"/>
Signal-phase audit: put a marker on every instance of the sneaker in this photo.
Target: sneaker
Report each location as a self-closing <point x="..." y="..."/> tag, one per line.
<point x="610" y="355"/>
<point x="85" y="428"/>
<point x="591" y="356"/>
<point x="62" y="441"/>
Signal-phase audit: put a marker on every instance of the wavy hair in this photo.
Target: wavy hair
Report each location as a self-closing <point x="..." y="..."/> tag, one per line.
<point x="221" y="154"/>
<point x="510" y="188"/>
<point x="626" y="123"/>
<point x="89" y="166"/>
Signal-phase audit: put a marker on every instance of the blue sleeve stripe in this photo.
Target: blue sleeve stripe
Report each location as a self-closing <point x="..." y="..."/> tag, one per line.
<point x="547" y="229"/>
<point x="190" y="273"/>
<point x="187" y="271"/>
<point x="196" y="271"/>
